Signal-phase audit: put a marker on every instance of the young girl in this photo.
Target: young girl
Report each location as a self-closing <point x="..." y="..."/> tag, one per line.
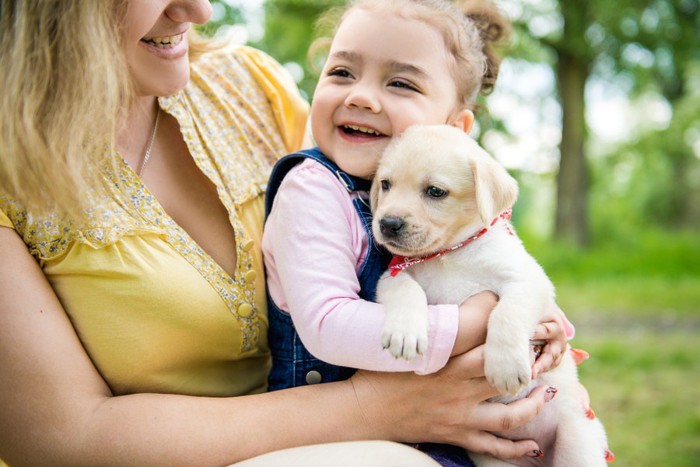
<point x="391" y="64"/>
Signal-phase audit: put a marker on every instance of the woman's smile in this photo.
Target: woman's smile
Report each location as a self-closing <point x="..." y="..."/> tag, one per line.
<point x="166" y="42"/>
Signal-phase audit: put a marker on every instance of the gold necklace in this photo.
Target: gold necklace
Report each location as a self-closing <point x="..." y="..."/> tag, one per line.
<point x="147" y="154"/>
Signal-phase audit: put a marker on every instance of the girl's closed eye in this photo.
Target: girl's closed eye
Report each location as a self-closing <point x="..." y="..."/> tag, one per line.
<point x="403" y="84"/>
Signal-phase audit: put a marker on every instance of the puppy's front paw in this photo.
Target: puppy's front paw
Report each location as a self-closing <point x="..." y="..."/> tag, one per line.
<point x="405" y="333"/>
<point x="508" y="369"/>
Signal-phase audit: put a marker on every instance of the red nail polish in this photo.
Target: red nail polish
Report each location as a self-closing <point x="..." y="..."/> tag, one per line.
<point x="590" y="414"/>
<point x="536" y="453"/>
<point x="609" y="456"/>
<point x="579" y="355"/>
<point x="550" y="393"/>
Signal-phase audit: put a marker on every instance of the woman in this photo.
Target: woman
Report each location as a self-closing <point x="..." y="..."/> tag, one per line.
<point x="131" y="294"/>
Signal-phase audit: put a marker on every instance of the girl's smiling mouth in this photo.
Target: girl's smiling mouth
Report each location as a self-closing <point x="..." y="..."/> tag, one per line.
<point x="360" y="131"/>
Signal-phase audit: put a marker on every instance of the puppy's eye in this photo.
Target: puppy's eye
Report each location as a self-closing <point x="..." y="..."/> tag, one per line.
<point x="386" y="185"/>
<point x="435" y="192"/>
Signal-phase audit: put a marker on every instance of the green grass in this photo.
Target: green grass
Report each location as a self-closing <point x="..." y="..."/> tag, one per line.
<point x="645" y="388"/>
<point x="636" y="306"/>
<point x="669" y="255"/>
<point x="642" y="298"/>
<point x="651" y="278"/>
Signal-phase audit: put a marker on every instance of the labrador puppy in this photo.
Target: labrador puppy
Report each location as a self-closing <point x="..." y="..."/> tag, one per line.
<point x="442" y="206"/>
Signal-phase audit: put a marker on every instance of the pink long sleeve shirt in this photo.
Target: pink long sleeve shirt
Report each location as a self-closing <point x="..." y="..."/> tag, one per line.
<point x="314" y="245"/>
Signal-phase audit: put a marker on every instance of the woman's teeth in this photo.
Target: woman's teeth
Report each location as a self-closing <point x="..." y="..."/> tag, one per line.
<point x="164" y="42"/>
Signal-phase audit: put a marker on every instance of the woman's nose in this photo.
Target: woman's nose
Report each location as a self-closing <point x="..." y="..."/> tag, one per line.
<point x="189" y="11"/>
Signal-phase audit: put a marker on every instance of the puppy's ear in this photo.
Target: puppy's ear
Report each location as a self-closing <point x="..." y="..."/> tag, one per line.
<point x="495" y="189"/>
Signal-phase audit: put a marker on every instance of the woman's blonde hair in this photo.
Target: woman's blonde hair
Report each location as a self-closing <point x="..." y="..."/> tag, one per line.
<point x="471" y="29"/>
<point x="65" y="87"/>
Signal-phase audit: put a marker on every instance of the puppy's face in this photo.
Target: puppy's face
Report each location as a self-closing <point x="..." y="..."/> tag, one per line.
<point x="435" y="186"/>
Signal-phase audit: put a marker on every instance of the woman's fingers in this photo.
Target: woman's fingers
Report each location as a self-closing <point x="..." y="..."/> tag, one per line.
<point x="468" y="370"/>
<point x="486" y="443"/>
<point x="494" y="416"/>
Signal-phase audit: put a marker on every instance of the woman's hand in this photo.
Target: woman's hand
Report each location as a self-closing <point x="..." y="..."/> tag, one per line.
<point x="446" y="407"/>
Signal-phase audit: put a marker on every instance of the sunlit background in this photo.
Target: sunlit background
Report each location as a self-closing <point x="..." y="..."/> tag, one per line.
<point x="597" y="113"/>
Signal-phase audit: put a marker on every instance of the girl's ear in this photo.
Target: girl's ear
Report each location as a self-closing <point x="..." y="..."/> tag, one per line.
<point x="464" y="120"/>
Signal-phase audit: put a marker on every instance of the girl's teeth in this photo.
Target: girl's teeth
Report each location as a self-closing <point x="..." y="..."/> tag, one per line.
<point x="362" y="129"/>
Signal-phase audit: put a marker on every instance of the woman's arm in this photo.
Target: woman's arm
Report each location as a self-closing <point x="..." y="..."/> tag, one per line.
<point x="54" y="406"/>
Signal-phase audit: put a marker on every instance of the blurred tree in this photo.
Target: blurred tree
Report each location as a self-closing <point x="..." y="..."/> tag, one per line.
<point x="224" y="13"/>
<point x="593" y="38"/>
<point x="574" y="60"/>
<point x="655" y="47"/>
<point x="290" y="30"/>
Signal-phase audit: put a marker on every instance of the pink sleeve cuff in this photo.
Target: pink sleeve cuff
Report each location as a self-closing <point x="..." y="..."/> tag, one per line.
<point x="444" y="321"/>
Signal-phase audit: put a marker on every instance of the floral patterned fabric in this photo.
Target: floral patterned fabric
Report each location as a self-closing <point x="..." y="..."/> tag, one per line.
<point x="153" y="310"/>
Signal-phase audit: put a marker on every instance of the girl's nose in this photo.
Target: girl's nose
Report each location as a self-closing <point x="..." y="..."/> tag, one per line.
<point x="363" y="97"/>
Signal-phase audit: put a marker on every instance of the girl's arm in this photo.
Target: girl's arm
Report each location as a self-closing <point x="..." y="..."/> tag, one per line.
<point x="313" y="246"/>
<point x="55" y="408"/>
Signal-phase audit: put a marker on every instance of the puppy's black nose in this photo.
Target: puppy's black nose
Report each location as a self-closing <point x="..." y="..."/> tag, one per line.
<point x="391" y="226"/>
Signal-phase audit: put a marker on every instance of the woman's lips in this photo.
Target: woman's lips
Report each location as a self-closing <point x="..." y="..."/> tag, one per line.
<point x="165" y="42"/>
<point x="169" y="47"/>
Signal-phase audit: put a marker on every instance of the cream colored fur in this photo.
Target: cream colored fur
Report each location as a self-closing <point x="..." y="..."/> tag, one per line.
<point x="434" y="187"/>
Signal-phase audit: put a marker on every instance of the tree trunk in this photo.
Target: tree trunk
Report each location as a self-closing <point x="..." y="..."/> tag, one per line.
<point x="572" y="181"/>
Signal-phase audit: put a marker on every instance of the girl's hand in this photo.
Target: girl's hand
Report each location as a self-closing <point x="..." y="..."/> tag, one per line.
<point x="446" y="407"/>
<point x="556" y="330"/>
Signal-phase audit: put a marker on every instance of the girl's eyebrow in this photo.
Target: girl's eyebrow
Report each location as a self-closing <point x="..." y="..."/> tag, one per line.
<point x="393" y="65"/>
<point x="347" y="55"/>
<point x="407" y="68"/>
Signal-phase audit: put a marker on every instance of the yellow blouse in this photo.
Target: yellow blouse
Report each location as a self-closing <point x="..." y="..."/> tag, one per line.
<point x="153" y="310"/>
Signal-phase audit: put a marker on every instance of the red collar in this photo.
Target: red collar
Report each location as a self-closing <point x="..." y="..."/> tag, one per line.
<point x="399" y="263"/>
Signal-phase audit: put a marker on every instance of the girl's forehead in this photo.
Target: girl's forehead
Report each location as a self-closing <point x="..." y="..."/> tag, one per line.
<point x="376" y="29"/>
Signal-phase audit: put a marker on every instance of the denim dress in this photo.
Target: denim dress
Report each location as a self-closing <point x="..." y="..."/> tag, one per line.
<point x="292" y="364"/>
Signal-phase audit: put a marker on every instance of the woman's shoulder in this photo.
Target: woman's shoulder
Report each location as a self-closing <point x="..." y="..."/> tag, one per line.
<point x="240" y="62"/>
<point x="243" y="74"/>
